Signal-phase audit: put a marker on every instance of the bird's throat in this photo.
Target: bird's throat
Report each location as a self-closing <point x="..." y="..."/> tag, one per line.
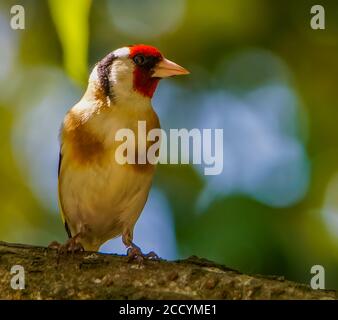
<point x="144" y="83"/>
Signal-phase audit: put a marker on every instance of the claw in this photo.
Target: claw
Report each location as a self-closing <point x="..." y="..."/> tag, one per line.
<point x="71" y="246"/>
<point x="135" y="253"/>
<point x="152" y="256"/>
<point x="54" y="245"/>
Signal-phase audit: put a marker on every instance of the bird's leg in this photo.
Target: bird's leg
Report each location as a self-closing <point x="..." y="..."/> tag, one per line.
<point x="134" y="252"/>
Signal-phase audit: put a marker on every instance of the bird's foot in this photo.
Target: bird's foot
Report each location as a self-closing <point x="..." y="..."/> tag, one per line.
<point x="135" y="253"/>
<point x="54" y="245"/>
<point x="71" y="246"/>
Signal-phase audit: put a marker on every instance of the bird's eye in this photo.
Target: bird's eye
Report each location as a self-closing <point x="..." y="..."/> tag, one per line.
<point x="139" y="59"/>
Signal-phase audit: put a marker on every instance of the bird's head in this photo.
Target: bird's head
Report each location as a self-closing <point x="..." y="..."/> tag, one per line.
<point x="133" y="71"/>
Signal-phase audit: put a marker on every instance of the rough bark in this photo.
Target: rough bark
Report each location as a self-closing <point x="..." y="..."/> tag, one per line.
<point x="100" y="276"/>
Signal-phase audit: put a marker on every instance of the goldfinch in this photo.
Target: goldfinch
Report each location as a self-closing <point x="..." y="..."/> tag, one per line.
<point x="99" y="198"/>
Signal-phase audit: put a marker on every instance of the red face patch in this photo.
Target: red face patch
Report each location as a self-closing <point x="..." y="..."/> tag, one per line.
<point x="143" y="81"/>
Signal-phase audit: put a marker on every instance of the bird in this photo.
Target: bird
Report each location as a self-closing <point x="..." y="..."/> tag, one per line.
<point x="99" y="198"/>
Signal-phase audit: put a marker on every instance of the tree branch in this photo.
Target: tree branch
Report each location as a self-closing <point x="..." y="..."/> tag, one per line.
<point x="100" y="276"/>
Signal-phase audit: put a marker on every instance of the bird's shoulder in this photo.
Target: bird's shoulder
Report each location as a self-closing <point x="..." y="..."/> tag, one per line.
<point x="80" y="143"/>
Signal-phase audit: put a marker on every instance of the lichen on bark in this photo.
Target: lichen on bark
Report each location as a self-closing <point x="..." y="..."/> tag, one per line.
<point x="100" y="276"/>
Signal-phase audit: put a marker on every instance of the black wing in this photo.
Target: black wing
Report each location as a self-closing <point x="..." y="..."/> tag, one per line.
<point x="62" y="213"/>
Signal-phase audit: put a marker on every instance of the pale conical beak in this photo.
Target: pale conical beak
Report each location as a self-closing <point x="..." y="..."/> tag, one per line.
<point x="166" y="68"/>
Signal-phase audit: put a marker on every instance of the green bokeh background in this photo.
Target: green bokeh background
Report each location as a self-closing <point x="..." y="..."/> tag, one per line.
<point x="235" y="229"/>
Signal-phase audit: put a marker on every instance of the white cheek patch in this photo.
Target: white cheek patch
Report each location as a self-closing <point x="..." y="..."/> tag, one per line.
<point x="121" y="69"/>
<point x="122" y="52"/>
<point x="94" y="76"/>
